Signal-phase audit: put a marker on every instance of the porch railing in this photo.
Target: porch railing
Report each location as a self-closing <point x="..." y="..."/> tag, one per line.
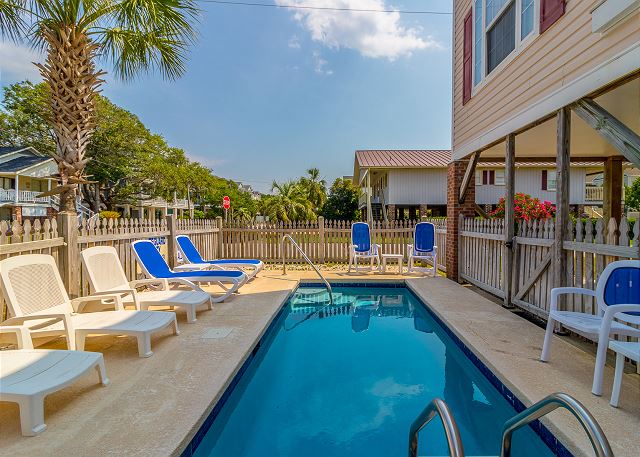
<point x="24" y="196"/>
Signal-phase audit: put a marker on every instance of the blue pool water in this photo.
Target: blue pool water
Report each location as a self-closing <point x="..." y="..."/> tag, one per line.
<point x="349" y="380"/>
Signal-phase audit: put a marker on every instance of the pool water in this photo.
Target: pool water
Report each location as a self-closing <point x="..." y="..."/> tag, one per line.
<point x="349" y="379"/>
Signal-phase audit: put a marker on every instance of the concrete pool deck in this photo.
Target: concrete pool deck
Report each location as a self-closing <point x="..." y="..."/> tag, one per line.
<point x="154" y="406"/>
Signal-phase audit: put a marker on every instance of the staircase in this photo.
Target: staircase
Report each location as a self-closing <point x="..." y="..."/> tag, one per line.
<point x="376" y="212"/>
<point x="84" y="212"/>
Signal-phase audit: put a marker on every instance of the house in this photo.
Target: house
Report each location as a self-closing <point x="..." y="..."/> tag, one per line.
<point x="543" y="81"/>
<point x="409" y="184"/>
<point x="152" y="208"/>
<point x="24" y="174"/>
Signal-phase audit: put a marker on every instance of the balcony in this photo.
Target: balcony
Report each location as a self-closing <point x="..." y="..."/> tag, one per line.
<point x="24" y="196"/>
<point x="594" y="194"/>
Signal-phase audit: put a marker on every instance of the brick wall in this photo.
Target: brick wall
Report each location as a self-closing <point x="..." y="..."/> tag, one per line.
<point x="455" y="175"/>
<point x="391" y="212"/>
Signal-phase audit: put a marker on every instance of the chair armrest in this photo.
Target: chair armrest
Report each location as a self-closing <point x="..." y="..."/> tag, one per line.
<point x="22" y="334"/>
<point x="161" y="282"/>
<point x="64" y="317"/>
<point x="78" y="303"/>
<point x="557" y="291"/>
<point x="615" y="310"/>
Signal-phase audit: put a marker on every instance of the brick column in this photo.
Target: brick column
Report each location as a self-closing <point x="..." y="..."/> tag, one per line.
<point x="455" y="174"/>
<point x="51" y="212"/>
<point x="391" y="212"/>
<point x="16" y="213"/>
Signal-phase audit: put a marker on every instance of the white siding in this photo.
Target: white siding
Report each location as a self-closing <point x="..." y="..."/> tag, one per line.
<point x="529" y="181"/>
<point x="415" y="187"/>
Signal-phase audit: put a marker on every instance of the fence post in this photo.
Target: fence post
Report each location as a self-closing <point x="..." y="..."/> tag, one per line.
<point x="509" y="220"/>
<point x="220" y="238"/>
<point x="172" y="223"/>
<point x="69" y="259"/>
<point x="321" y="235"/>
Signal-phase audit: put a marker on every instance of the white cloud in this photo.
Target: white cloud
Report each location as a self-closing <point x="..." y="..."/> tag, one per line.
<point x="376" y="35"/>
<point x="294" y="42"/>
<point x="16" y="63"/>
<point x="320" y="64"/>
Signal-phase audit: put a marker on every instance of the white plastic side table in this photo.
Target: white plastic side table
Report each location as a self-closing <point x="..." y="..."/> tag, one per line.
<point x="397" y="257"/>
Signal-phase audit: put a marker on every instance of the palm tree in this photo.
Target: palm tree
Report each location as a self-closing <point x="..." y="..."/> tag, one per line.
<point x="135" y="36"/>
<point x="290" y="203"/>
<point x="315" y="187"/>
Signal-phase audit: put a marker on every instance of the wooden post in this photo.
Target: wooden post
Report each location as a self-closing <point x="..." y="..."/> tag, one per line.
<point x="612" y="200"/>
<point x="509" y="218"/>
<point x="559" y="260"/>
<point x="172" y="254"/>
<point x="322" y="240"/>
<point x="220" y="238"/>
<point x="69" y="258"/>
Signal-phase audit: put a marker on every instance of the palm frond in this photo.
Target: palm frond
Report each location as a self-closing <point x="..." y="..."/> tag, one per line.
<point x="12" y="19"/>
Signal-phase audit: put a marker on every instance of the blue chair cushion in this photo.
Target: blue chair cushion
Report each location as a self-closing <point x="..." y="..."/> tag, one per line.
<point x="360" y="237"/>
<point x="232" y="261"/>
<point x="189" y="250"/>
<point x="623" y="287"/>
<point x="205" y="274"/>
<point x="424" y="237"/>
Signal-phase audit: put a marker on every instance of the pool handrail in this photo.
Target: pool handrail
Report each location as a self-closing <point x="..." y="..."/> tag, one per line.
<point x="437" y="407"/>
<point x="548" y="404"/>
<point x="308" y="260"/>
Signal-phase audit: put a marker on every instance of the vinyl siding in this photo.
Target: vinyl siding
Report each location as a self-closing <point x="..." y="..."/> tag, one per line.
<point x="415" y="187"/>
<point x="552" y="60"/>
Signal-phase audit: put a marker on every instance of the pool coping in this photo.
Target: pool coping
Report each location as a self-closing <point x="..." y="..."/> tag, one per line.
<point x="188" y="446"/>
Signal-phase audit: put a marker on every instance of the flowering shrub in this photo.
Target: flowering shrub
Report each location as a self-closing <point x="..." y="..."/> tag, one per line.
<point x="109" y="215"/>
<point x="526" y="208"/>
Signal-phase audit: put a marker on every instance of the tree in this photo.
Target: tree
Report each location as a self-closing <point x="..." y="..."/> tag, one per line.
<point x="135" y="36"/>
<point x="315" y="188"/>
<point x="290" y="203"/>
<point x="632" y="196"/>
<point x="342" y="202"/>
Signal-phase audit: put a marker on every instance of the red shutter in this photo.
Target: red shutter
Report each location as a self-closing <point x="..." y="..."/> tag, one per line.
<point x="550" y="12"/>
<point x="466" y="58"/>
<point x="544" y="179"/>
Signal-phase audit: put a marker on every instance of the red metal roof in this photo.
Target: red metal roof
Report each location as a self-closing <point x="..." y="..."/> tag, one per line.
<point x="409" y="158"/>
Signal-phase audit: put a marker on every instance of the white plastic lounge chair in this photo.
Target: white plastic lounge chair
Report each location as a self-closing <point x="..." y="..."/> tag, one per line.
<point x="106" y="276"/>
<point x="28" y="375"/>
<point x="630" y="349"/>
<point x="192" y="257"/>
<point x="423" y="247"/>
<point x="361" y="246"/>
<point x="154" y="266"/>
<point x="617" y="294"/>
<point x="34" y="293"/>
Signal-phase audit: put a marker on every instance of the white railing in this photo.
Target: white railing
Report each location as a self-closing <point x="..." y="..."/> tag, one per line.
<point x="24" y="196"/>
<point x="593" y="194"/>
<point x="161" y="202"/>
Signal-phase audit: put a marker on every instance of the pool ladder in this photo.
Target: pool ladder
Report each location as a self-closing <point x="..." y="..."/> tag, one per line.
<point x="438" y="407"/>
<point x="308" y="260"/>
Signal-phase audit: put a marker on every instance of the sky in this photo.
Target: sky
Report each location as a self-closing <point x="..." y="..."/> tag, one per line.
<point x="271" y="92"/>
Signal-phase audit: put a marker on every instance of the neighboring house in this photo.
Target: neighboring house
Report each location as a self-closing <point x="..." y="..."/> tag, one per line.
<point x="146" y="207"/>
<point x="400" y="184"/>
<point x="24" y="173"/>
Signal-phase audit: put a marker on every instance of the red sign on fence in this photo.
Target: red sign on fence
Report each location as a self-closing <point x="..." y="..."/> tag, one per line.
<point x="226" y="202"/>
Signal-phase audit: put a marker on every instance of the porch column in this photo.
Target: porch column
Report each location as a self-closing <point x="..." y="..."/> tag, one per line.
<point x="509" y="217"/>
<point x="15" y="196"/>
<point x="455" y="176"/>
<point x="612" y="199"/>
<point x="563" y="153"/>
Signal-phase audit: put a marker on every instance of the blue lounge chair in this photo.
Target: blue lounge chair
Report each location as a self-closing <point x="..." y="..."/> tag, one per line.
<point x="155" y="267"/>
<point x="617" y="295"/>
<point x="361" y="246"/>
<point x="193" y="258"/>
<point x="423" y="247"/>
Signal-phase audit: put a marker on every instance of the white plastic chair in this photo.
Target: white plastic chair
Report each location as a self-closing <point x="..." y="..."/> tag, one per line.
<point x="28" y="375"/>
<point x="630" y="349"/>
<point x="34" y="293"/>
<point x="423" y="247"/>
<point x="617" y="294"/>
<point x="106" y="276"/>
<point x="361" y="246"/>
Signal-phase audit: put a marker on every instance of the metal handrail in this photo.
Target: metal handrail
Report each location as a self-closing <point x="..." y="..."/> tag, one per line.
<point x="437" y="407"/>
<point x="551" y="403"/>
<point x="297" y="246"/>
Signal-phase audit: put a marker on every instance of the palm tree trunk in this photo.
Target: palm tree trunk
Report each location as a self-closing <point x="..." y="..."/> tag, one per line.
<point x="73" y="81"/>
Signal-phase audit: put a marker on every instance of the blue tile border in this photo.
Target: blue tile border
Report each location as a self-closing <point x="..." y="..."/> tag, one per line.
<point x="543" y="432"/>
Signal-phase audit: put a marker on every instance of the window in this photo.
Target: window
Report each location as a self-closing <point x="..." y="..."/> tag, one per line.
<point x="548" y="180"/>
<point x="477" y="42"/>
<point x="526" y="18"/>
<point x="501" y="38"/>
<point x="7" y="183"/>
<point x="38" y="185"/>
<point x="490" y="178"/>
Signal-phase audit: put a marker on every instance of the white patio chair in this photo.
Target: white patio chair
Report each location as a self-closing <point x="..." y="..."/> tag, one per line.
<point x="194" y="261"/>
<point x="34" y="293"/>
<point x="361" y="246"/>
<point x="630" y="349"/>
<point x="28" y="375"/>
<point x="106" y="276"/>
<point x="423" y="247"/>
<point x="617" y="294"/>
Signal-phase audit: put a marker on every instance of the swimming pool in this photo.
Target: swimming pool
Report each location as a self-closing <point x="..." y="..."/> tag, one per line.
<point x="349" y="379"/>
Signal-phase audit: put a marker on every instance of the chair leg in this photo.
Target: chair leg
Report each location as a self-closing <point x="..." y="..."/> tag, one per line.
<point x="598" y="372"/>
<point x="434" y="259"/>
<point x="617" y="380"/>
<point x="175" y="326"/>
<point x="102" y="372"/>
<point x="144" y="345"/>
<point x="80" y="340"/>
<point x="32" y="415"/>
<point x="548" y="336"/>
<point x="191" y="314"/>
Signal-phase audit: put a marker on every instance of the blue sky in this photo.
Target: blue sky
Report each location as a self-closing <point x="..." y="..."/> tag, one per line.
<point x="271" y="92"/>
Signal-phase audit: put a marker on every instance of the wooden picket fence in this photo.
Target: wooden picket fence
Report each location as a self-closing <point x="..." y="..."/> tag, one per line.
<point x="589" y="247"/>
<point x="322" y="240"/>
